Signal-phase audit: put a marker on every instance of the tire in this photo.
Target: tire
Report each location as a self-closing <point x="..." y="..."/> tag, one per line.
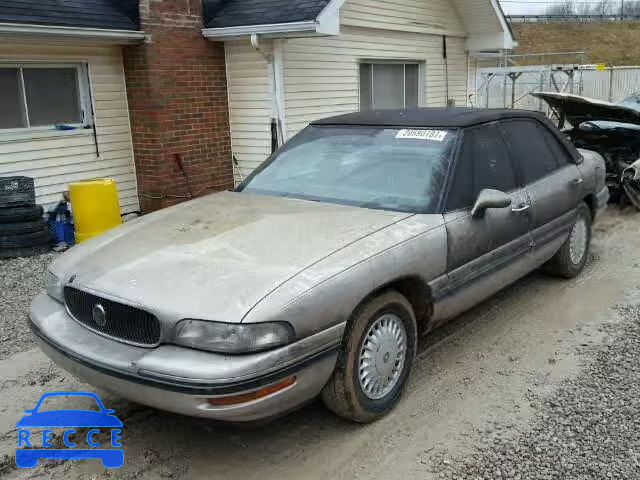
<point x="562" y="263"/>
<point x="21" y="227"/>
<point x="17" y="199"/>
<point x="21" y="214"/>
<point x="344" y="394"/>
<point x="24" y="251"/>
<point x="32" y="239"/>
<point x="16" y="191"/>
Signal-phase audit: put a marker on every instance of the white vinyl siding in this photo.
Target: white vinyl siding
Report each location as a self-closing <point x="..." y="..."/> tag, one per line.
<point x="321" y="76"/>
<point x="56" y="158"/>
<point x="249" y="106"/>
<point x="478" y="16"/>
<point x="420" y="16"/>
<point x="322" y="79"/>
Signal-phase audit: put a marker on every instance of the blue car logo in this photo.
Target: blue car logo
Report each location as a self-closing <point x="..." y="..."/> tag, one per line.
<point x="68" y="419"/>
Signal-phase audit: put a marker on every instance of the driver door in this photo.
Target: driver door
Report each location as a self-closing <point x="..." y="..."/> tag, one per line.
<point x="480" y="248"/>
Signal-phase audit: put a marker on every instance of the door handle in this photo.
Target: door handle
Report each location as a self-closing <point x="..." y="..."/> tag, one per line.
<point x="577" y="181"/>
<point x="522" y="208"/>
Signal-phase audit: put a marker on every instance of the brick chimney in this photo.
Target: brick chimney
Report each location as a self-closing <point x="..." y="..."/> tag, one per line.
<point x="177" y="92"/>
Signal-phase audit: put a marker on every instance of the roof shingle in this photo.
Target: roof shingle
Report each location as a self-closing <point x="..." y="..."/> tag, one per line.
<point x="106" y="14"/>
<point x="233" y="13"/>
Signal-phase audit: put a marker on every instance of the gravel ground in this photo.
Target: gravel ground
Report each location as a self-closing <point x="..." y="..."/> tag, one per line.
<point x="588" y="428"/>
<point x="22" y="279"/>
<point x="539" y="382"/>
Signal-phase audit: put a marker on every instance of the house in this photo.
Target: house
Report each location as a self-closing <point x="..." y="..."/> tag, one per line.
<point x="296" y="61"/>
<point x="174" y="98"/>
<point x="145" y="91"/>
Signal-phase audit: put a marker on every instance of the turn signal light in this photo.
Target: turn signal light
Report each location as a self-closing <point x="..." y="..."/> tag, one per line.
<point x="248" y="397"/>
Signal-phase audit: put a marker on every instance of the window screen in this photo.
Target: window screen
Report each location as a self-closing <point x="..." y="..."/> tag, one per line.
<point x="389" y="85"/>
<point x="365" y="86"/>
<point x="530" y="149"/>
<point x="52" y="95"/>
<point x="483" y="163"/>
<point x="11" y="113"/>
<point x="33" y="96"/>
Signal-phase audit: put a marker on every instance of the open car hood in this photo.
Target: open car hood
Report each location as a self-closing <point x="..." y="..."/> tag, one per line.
<point x="576" y="109"/>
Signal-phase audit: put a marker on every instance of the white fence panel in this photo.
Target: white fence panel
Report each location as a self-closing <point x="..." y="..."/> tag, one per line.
<point x="495" y="85"/>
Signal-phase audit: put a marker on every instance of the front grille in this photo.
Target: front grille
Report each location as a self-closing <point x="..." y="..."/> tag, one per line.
<point x="119" y="321"/>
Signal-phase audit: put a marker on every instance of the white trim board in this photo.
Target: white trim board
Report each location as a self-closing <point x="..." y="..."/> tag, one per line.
<point x="112" y="36"/>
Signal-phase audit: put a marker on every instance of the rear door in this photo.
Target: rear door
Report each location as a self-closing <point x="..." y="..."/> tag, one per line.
<point x="478" y="247"/>
<point x="552" y="182"/>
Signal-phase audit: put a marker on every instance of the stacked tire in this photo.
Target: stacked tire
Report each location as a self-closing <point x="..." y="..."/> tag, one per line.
<point x="23" y="230"/>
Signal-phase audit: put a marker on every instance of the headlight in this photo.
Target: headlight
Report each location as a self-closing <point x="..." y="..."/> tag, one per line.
<point x="53" y="285"/>
<point x="232" y="337"/>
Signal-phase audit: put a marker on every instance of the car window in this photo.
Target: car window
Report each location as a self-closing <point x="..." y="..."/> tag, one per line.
<point x="530" y="149"/>
<point x="558" y="150"/>
<point x="397" y="169"/>
<point x="484" y="162"/>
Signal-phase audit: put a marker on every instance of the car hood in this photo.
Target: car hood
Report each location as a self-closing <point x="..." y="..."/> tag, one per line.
<point x="577" y="109"/>
<point x="217" y="256"/>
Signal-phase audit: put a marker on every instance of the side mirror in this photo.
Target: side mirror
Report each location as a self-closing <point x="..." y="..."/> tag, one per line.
<point x="489" y="198"/>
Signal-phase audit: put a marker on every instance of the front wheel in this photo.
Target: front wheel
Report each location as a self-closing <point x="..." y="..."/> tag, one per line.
<point x="375" y="361"/>
<point x="569" y="261"/>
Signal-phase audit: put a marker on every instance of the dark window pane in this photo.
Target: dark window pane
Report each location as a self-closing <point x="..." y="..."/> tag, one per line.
<point x="411" y="82"/>
<point x="388" y="85"/>
<point x="11" y="113"/>
<point x="52" y="95"/>
<point x="484" y="163"/>
<point x="365" y="86"/>
<point x="558" y="151"/>
<point x="530" y="148"/>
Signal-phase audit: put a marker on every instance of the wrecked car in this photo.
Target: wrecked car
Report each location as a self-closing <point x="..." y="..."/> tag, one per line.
<point x="318" y="273"/>
<point x="612" y="130"/>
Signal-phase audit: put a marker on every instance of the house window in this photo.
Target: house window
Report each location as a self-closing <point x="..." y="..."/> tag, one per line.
<point x="42" y="95"/>
<point x="389" y="85"/>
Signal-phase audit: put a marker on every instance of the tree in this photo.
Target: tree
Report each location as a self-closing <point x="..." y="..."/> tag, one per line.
<point x="566" y="8"/>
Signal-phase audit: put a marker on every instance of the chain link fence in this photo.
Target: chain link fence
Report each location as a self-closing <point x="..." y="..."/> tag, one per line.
<point x="509" y="82"/>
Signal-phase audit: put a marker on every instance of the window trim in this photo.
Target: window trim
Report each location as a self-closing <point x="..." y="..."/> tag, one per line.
<point x="421" y="78"/>
<point x="82" y="83"/>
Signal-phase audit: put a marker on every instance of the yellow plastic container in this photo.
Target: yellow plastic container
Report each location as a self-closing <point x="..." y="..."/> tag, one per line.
<point x="95" y="207"/>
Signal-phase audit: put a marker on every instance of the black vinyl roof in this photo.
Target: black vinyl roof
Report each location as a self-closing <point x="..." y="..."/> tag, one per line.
<point x="428" y="117"/>
<point x="105" y="14"/>
<point x="233" y="13"/>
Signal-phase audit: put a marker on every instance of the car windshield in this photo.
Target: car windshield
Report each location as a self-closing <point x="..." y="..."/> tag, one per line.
<point x="374" y="167"/>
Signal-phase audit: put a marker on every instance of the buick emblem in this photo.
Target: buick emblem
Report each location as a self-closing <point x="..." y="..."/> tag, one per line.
<point x="99" y="315"/>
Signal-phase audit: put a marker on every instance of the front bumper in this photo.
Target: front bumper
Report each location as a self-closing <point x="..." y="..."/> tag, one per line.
<point x="180" y="379"/>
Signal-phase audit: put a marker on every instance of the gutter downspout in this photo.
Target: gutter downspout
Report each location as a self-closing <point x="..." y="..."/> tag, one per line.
<point x="276" y="87"/>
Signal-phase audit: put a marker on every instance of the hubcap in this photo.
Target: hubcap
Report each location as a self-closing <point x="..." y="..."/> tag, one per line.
<point x="382" y="356"/>
<point x="578" y="241"/>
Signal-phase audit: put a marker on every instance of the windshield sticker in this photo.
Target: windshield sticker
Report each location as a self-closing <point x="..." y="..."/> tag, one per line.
<point x="435" y="135"/>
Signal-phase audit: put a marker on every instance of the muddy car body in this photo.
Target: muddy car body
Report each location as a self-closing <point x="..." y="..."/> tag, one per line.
<point x="319" y="272"/>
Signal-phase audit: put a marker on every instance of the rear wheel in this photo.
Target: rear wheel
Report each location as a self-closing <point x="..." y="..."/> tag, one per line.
<point x="375" y="361"/>
<point x="572" y="256"/>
